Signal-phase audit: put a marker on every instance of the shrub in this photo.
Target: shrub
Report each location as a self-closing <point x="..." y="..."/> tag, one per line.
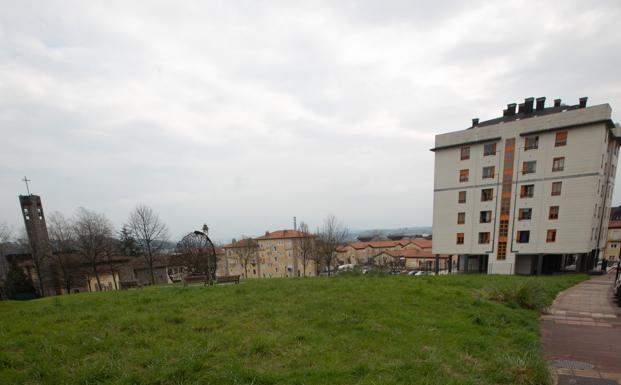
<point x="529" y="294"/>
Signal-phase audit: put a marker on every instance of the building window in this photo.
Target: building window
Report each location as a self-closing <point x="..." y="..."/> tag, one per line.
<point x="489" y="149"/>
<point x="523" y="236"/>
<point x="551" y="236"/>
<point x="561" y="139"/>
<point x="529" y="167"/>
<point x="487" y="194"/>
<point x="463" y="175"/>
<point x="527" y="191"/>
<point x="460" y="238"/>
<point x="485" y="217"/>
<point x="461" y="218"/>
<point x="465" y="153"/>
<point x="525" y="214"/>
<point x="558" y="164"/>
<point x="613" y="245"/>
<point x="462" y="197"/>
<point x="484" y="237"/>
<point x="488" y="172"/>
<point x="531" y="143"/>
<point x="556" y="188"/>
<point x="553" y="212"/>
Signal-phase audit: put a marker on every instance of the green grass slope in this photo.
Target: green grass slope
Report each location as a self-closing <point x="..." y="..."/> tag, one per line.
<point x="347" y="330"/>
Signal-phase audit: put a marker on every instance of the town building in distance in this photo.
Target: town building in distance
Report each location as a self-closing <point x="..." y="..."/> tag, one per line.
<point x="528" y="192"/>
<point x="613" y="242"/>
<point x="280" y="253"/>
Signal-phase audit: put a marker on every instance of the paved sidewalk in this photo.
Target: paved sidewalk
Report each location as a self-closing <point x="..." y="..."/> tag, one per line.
<point x="581" y="334"/>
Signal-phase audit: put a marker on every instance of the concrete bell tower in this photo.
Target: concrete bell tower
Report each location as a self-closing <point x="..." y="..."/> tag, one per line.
<point x="40" y="248"/>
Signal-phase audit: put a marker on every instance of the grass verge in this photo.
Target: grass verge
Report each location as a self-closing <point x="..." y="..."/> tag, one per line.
<point x="350" y="330"/>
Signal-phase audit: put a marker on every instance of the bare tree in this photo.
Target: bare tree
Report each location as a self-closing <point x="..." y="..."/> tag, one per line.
<point x="333" y="233"/>
<point x="306" y="247"/>
<point x="112" y="247"/>
<point x="150" y="233"/>
<point x="63" y="248"/>
<point x="247" y="250"/>
<point x="6" y="234"/>
<point x="92" y="232"/>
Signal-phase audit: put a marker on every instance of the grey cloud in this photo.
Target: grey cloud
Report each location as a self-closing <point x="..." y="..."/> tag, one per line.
<point x="245" y="114"/>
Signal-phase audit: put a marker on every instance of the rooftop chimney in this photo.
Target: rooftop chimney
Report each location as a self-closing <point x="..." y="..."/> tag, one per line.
<point x="521" y="108"/>
<point x="511" y="109"/>
<point x="528" y="105"/>
<point x="557" y="102"/>
<point x="267" y="232"/>
<point x="541" y="103"/>
<point x="475" y="122"/>
<point x="583" y="101"/>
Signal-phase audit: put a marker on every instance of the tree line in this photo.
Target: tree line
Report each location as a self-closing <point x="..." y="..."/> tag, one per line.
<point x="85" y="242"/>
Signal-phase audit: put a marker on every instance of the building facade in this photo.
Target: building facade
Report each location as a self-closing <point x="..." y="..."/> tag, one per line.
<point x="529" y="192"/>
<point x="613" y="242"/>
<point x="276" y="254"/>
<point x="363" y="253"/>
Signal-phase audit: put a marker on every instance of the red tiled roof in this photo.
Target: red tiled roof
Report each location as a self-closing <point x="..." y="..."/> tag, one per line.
<point x="377" y="244"/>
<point x="422" y="243"/>
<point x="412" y="253"/>
<point x="614" y="224"/>
<point x="283" y="234"/>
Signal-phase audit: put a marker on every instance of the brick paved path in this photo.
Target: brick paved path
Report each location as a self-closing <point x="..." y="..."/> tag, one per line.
<point x="584" y="324"/>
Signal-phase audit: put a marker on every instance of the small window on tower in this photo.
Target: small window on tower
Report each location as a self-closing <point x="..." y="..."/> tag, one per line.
<point x="26" y="214"/>
<point x="462" y="197"/>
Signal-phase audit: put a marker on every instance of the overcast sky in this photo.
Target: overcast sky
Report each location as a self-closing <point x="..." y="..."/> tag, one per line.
<point x="243" y="114"/>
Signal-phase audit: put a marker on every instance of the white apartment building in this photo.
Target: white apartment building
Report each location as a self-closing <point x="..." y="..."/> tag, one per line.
<point x="528" y="192"/>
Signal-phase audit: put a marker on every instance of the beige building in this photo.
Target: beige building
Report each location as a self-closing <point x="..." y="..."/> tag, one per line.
<point x="613" y="242"/>
<point x="362" y="253"/>
<point x="275" y="254"/>
<point x="528" y="192"/>
<point x="411" y="259"/>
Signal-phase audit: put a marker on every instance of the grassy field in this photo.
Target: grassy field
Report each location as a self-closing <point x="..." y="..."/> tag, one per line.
<point x="345" y="330"/>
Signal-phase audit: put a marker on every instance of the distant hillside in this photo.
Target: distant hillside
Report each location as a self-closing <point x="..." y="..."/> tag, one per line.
<point x="384" y="233"/>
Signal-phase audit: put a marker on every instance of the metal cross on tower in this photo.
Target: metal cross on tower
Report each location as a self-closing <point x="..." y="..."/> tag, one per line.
<point x="26" y="180"/>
